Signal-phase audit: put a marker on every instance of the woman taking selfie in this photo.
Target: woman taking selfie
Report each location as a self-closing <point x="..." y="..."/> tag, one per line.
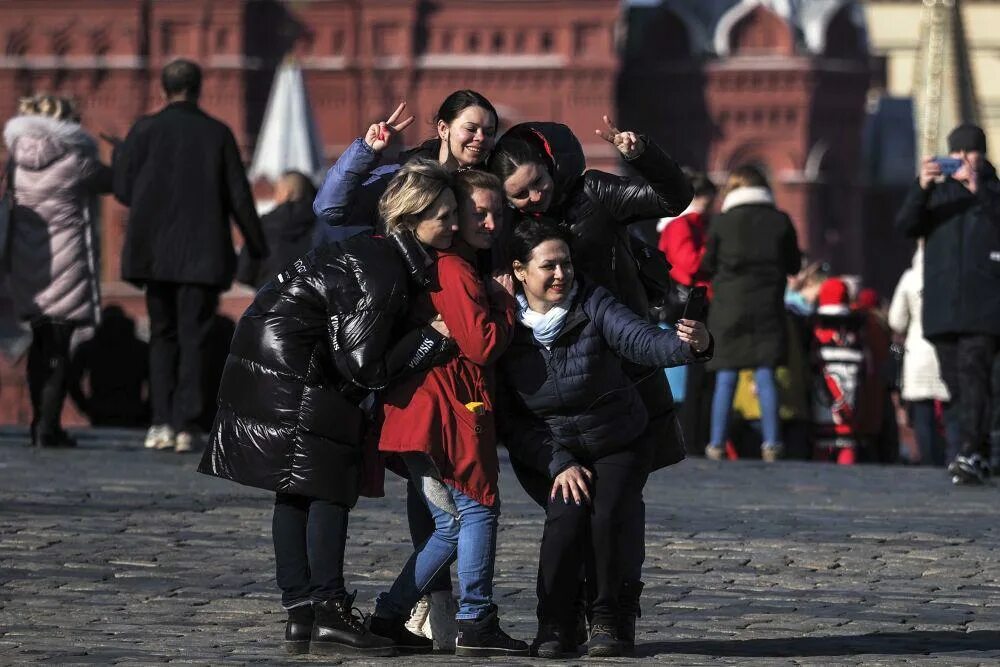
<point x="572" y="412"/>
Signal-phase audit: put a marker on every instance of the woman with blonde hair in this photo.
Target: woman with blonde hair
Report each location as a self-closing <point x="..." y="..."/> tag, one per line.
<point x="440" y="424"/>
<point x="53" y="251"/>
<point x="750" y="251"/>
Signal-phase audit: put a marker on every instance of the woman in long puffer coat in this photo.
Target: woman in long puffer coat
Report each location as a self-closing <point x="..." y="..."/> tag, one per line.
<point x="53" y="247"/>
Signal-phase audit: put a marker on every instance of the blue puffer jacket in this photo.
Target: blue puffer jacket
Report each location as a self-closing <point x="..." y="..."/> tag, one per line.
<point x="347" y="202"/>
<point x="575" y="401"/>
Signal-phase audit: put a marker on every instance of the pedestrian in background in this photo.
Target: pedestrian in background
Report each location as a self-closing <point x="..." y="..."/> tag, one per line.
<point x="180" y="173"/>
<point x="682" y="241"/>
<point x="958" y="216"/>
<point x="288" y="230"/>
<point x="922" y="386"/>
<point x="751" y="249"/>
<point x="56" y="175"/>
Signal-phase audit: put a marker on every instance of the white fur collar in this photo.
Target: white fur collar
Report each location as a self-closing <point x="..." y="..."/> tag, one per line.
<point x="744" y="196"/>
<point x="65" y="132"/>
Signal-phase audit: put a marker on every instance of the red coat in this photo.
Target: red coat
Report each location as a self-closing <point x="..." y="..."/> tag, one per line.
<point x="427" y="413"/>
<point x="683" y="243"/>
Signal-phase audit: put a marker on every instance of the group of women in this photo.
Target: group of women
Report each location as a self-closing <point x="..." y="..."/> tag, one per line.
<point x="455" y="323"/>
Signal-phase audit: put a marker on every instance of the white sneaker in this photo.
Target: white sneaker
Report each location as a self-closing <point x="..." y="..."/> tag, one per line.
<point x="441" y="625"/>
<point x="418" y="617"/>
<point x="187" y="442"/>
<point x="159" y="436"/>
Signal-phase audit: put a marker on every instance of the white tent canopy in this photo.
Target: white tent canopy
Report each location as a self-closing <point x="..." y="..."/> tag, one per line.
<point x="288" y="139"/>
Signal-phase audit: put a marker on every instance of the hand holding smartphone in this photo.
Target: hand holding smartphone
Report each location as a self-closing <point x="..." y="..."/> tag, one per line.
<point x="697" y="304"/>
<point x="948" y="165"/>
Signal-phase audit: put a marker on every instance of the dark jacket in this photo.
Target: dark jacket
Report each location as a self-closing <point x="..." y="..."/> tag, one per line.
<point x="310" y="347"/>
<point x="179" y="172"/>
<point x="288" y="230"/>
<point x="750" y="250"/>
<point x="347" y="202"/>
<point x="598" y="207"/>
<point x="576" y="401"/>
<point x="961" y="254"/>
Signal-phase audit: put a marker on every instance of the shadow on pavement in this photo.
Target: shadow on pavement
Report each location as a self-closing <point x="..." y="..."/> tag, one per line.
<point x="889" y="643"/>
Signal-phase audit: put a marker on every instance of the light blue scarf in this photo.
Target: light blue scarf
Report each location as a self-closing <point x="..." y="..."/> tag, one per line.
<point x="545" y="326"/>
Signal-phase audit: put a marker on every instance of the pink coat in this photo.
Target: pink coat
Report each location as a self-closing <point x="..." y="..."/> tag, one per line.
<point x="53" y="236"/>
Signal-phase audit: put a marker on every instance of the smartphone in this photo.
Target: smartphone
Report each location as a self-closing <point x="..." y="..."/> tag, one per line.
<point x="949" y="165"/>
<point x="697" y="304"/>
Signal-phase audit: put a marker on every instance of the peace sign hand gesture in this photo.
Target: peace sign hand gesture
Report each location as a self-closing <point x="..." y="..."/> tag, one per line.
<point x="380" y="134"/>
<point x="630" y="144"/>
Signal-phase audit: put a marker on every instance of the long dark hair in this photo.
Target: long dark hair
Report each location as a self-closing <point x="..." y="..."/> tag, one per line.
<point x="512" y="152"/>
<point x="459" y="101"/>
<point x="530" y="232"/>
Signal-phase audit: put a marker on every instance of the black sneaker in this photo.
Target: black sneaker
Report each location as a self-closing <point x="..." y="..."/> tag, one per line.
<point x="394" y="629"/>
<point x="483" y="637"/>
<point x="298" y="629"/>
<point x="337" y="630"/>
<point x="971" y="469"/>
<point x="553" y="641"/>
<point x="603" y="642"/>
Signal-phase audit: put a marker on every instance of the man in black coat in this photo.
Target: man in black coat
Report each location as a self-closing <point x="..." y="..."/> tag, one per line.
<point x="958" y="215"/>
<point x="179" y="171"/>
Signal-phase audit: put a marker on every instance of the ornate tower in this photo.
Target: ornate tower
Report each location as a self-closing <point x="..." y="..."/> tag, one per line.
<point x="943" y="88"/>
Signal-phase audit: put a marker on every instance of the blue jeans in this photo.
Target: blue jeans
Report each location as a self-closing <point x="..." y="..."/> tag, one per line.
<point x="472" y="537"/>
<point x="722" y="405"/>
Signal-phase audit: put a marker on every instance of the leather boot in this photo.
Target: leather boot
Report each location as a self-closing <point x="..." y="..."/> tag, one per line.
<point x="628" y="610"/>
<point x="338" y="630"/>
<point x="298" y="629"/>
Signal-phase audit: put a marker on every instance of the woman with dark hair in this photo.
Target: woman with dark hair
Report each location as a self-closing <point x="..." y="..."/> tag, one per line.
<point x="541" y="166"/>
<point x="347" y="203"/>
<point x="465" y="124"/>
<point x="750" y="251"/>
<point x="572" y="410"/>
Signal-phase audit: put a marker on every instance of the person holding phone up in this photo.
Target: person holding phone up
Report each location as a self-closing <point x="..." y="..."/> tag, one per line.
<point x="957" y="213"/>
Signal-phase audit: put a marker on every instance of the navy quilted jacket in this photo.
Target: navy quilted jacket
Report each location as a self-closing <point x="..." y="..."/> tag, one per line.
<point x="575" y="401"/>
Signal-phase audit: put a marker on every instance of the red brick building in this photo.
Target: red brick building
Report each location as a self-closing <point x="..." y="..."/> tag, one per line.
<point x="781" y="83"/>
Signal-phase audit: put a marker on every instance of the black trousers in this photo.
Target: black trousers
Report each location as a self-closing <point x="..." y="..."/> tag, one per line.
<point x="48" y="374"/>
<point x="970" y="367"/>
<point x="603" y="530"/>
<point x="310" y="536"/>
<point x="180" y="320"/>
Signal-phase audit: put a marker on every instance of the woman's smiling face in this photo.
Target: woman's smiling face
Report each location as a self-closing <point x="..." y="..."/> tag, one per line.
<point x="470" y="136"/>
<point x="547" y="278"/>
<point x="530" y="188"/>
<point x="437" y="224"/>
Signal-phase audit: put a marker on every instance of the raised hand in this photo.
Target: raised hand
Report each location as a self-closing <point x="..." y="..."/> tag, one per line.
<point x="380" y="134"/>
<point x="628" y="143"/>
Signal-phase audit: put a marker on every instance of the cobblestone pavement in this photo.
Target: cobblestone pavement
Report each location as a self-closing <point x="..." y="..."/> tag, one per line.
<point x="114" y="555"/>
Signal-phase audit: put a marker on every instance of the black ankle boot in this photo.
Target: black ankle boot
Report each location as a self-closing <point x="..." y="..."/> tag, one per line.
<point x="483" y="637"/>
<point x="298" y="629"/>
<point x="628" y="610"/>
<point x="555" y="640"/>
<point x="395" y="632"/>
<point x="603" y="641"/>
<point x="338" y="630"/>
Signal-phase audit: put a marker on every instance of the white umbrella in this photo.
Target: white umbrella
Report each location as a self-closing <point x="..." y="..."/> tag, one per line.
<point x="288" y="139"/>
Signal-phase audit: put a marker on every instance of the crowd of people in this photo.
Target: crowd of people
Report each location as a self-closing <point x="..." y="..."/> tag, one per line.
<point x="480" y="290"/>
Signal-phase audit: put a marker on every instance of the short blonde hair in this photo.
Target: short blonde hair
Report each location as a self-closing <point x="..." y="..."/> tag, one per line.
<point x="411" y="191"/>
<point x="746" y="176"/>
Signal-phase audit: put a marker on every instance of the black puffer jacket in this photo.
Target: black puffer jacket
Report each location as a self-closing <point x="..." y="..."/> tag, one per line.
<point x="598" y="207"/>
<point x="961" y="254"/>
<point x="313" y="343"/>
<point x="576" y="401"/>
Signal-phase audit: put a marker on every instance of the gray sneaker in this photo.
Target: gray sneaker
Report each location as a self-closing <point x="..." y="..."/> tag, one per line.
<point x="159" y="436"/>
<point x="187" y="442"/>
